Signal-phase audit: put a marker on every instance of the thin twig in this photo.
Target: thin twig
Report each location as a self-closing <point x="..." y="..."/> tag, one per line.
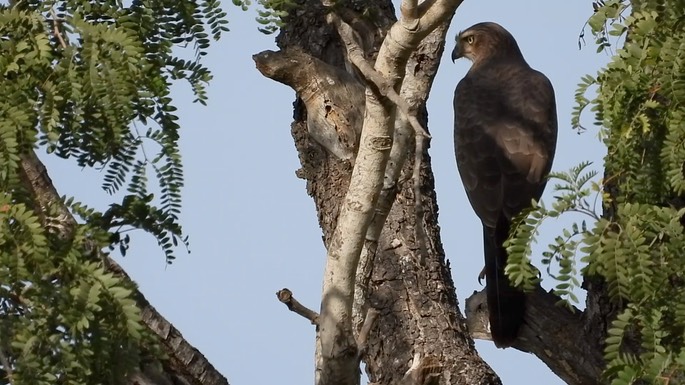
<point x="355" y="54"/>
<point x="286" y="297"/>
<point x="56" y="30"/>
<point x="369" y="321"/>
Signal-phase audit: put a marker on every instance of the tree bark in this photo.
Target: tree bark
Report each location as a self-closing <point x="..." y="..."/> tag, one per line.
<point x="555" y="334"/>
<point x="419" y="335"/>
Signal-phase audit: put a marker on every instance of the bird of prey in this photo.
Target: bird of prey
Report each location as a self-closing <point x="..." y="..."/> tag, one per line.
<point x="505" y="133"/>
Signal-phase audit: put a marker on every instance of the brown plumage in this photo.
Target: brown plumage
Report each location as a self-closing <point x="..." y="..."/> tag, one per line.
<point x="505" y="132"/>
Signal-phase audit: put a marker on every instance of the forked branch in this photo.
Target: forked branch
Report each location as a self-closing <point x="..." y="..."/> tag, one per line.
<point x="335" y="363"/>
<point x="356" y="55"/>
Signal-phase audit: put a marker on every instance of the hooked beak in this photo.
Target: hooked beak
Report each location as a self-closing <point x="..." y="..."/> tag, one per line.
<point x="456" y="53"/>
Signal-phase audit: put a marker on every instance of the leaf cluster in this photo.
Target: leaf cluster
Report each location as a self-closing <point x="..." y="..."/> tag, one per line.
<point x="63" y="319"/>
<point x="636" y="246"/>
<point x="271" y="14"/>
<point x="90" y="81"/>
<point x="576" y="193"/>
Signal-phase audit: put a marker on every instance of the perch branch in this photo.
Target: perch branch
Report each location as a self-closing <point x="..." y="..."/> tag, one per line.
<point x="286" y="297"/>
<point x="551" y="332"/>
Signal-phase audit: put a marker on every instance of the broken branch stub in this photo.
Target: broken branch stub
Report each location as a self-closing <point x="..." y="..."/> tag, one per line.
<point x="286" y="297"/>
<point x="334" y="99"/>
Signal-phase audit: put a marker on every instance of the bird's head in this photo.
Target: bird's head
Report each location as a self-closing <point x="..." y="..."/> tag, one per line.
<point x="483" y="41"/>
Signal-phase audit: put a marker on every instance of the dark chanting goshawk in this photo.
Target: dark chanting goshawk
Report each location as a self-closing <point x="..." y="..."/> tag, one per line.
<point x="505" y="133"/>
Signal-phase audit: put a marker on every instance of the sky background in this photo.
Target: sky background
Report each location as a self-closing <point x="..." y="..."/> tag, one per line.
<point x="253" y="229"/>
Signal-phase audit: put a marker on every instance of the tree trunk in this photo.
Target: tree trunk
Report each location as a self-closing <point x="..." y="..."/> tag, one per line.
<point x="419" y="324"/>
<point x="417" y="334"/>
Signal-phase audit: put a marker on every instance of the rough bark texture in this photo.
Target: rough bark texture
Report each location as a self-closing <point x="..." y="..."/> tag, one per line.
<point x="416" y="295"/>
<point x="419" y="335"/>
<point x="419" y="324"/>
<point x="557" y="335"/>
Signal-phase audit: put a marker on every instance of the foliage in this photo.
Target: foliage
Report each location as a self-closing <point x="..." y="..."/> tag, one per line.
<point x="89" y="81"/>
<point x="64" y="319"/>
<point x="637" y="246"/>
<point x="577" y="194"/>
<point x="270" y="14"/>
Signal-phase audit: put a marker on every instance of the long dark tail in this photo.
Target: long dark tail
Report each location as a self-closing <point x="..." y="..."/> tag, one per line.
<point x="506" y="304"/>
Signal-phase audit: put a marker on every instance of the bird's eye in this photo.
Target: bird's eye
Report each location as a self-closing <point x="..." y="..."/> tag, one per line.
<point x="470" y="39"/>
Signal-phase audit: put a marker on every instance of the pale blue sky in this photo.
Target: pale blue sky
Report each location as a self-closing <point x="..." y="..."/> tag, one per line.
<point x="253" y="229"/>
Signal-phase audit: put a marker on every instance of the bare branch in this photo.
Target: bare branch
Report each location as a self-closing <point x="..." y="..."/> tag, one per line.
<point x="409" y="13"/>
<point x="356" y="56"/>
<point x="336" y="362"/>
<point x="433" y="13"/>
<point x="286" y="297"/>
<point x="391" y="185"/>
<point x="56" y="31"/>
<point x="337" y="345"/>
<point x="551" y="332"/>
<point x="424" y="6"/>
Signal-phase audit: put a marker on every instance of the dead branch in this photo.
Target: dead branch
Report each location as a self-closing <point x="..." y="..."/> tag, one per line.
<point x="286" y="297"/>
<point x="333" y="98"/>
